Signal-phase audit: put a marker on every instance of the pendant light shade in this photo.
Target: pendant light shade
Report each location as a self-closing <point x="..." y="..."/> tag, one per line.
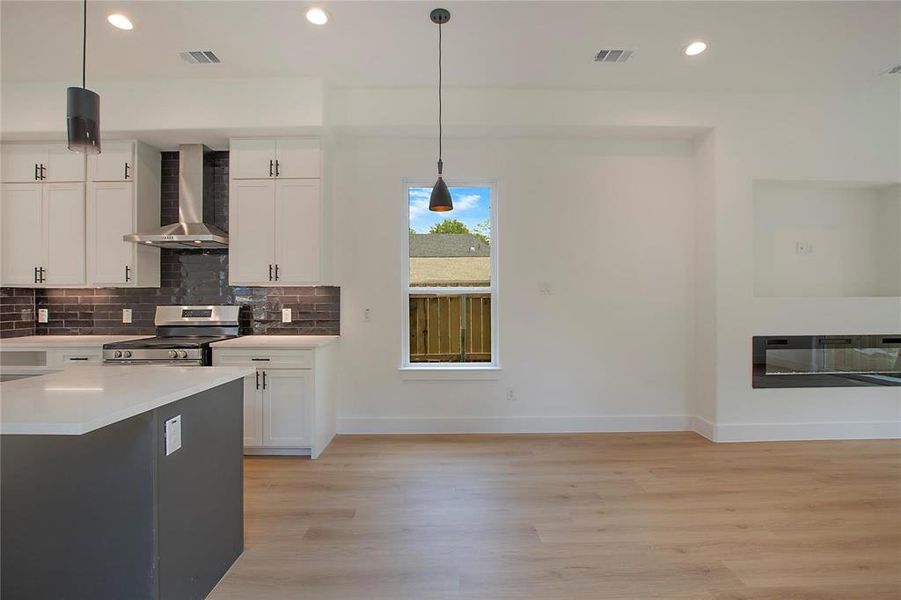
<point x="83" y="120"/>
<point x="83" y="105"/>
<point x="440" y="200"/>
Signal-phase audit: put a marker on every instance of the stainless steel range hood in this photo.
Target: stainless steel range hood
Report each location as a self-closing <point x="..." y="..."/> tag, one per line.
<point x="190" y="231"/>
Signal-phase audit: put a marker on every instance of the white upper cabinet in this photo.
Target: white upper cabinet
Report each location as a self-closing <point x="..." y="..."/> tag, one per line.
<point x="297" y="158"/>
<point x="115" y="163"/>
<point x="63" y="165"/>
<point x="22" y="214"/>
<point x="286" y="158"/>
<point x="275" y="219"/>
<point x="64" y="262"/>
<point x="297" y="227"/>
<point x="42" y="162"/>
<point x="43" y="234"/>
<point x="110" y="213"/>
<point x="251" y="228"/>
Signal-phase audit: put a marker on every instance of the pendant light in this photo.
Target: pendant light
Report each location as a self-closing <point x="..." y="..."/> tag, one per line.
<point x="440" y="200"/>
<point x="83" y="106"/>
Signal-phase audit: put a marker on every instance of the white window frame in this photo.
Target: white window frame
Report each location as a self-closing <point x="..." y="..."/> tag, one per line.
<point x="470" y="370"/>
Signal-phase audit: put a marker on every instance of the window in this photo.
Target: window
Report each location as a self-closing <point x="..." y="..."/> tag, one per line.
<point x="450" y="278"/>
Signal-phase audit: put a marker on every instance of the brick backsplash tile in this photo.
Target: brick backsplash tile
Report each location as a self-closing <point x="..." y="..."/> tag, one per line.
<point x="186" y="277"/>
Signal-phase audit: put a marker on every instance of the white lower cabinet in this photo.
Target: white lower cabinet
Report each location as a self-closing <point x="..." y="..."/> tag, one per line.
<point x="288" y="401"/>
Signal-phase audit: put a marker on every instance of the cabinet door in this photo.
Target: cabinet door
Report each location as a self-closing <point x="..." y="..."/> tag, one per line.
<point x="110" y="216"/>
<point x="63" y="165"/>
<point x="64" y="233"/>
<point x="253" y="411"/>
<point x="21" y="162"/>
<point x="251" y="249"/>
<point x="297" y="158"/>
<point x="251" y="159"/>
<point x="115" y="163"/>
<point x="287" y="408"/>
<point x="297" y="237"/>
<point x="21" y="221"/>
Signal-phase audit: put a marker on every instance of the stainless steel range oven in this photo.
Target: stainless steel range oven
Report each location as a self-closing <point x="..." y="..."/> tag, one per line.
<point x="184" y="335"/>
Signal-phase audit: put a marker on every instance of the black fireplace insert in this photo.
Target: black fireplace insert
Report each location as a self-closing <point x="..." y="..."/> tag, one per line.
<point x="794" y="361"/>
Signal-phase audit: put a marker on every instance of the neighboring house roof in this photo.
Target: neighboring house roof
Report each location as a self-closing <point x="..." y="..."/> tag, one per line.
<point x="447" y="245"/>
<point x="456" y="271"/>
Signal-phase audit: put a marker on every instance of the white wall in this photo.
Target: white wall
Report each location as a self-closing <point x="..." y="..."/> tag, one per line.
<point x="608" y="222"/>
<point x="853" y="237"/>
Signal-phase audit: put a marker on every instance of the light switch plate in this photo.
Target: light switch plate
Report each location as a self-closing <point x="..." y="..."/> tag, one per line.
<point x="173" y="434"/>
<point x="126" y="315"/>
<point x="43" y="315"/>
<point x="286" y="315"/>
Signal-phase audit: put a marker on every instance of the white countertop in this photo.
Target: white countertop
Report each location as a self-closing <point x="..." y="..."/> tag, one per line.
<point x="44" y="342"/>
<point x="78" y="400"/>
<point x="277" y="341"/>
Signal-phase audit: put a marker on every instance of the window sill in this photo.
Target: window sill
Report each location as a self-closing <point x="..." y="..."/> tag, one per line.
<point x="449" y="373"/>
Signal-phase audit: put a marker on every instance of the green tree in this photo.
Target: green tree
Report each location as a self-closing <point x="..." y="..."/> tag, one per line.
<point x="449" y="226"/>
<point x="483" y="231"/>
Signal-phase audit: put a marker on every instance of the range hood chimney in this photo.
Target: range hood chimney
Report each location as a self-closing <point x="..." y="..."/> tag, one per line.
<point x="190" y="231"/>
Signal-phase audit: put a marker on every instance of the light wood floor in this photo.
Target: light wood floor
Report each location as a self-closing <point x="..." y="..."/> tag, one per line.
<point x="597" y="516"/>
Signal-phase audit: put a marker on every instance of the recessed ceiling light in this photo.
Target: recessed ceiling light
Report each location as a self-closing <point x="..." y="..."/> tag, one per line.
<point x="695" y="48"/>
<point x="317" y="16"/>
<point x="120" y="21"/>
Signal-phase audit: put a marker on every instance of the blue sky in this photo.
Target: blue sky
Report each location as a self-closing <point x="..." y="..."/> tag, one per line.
<point x="472" y="205"/>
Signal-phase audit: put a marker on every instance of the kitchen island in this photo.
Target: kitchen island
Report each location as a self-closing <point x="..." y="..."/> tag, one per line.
<point x="120" y="482"/>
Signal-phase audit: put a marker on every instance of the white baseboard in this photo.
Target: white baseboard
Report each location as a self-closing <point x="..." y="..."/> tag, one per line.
<point x="776" y="432"/>
<point x="703" y="427"/>
<point x="630" y="423"/>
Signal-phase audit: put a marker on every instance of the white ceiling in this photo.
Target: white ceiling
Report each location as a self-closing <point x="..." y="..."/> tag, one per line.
<point x="754" y="46"/>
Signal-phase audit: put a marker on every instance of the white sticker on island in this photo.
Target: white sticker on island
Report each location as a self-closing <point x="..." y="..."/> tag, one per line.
<point x="173" y="434"/>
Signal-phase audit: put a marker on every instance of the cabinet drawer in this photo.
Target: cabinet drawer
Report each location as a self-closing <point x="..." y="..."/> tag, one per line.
<point x="264" y="359"/>
<point x="74" y="357"/>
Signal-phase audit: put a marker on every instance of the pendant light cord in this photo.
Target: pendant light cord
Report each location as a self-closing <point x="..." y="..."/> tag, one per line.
<point x="440" y="128"/>
<point x="84" y="43"/>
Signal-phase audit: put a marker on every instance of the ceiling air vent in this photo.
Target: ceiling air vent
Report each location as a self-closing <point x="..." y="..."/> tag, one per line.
<point x="612" y="56"/>
<point x="199" y="57"/>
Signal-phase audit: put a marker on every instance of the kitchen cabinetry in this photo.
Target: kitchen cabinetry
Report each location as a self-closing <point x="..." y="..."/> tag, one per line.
<point x="275" y="232"/>
<point x="59" y="231"/>
<point x="275" y="224"/>
<point x="289" y="158"/>
<point x="43" y="234"/>
<point x="288" y="402"/>
<point x="41" y="163"/>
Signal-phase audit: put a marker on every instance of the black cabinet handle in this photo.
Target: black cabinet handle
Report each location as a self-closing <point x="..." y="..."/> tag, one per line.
<point x="126" y="170"/>
<point x="258" y="379"/>
<point x="270" y="272"/>
<point x="270" y="167"/>
<point x="35" y="274"/>
<point x="127" y="273"/>
<point x="276" y="168"/>
<point x="41" y="275"/>
<point x="264" y="380"/>
<point x="36" y="176"/>
<point x="276" y="271"/>
<point x="260" y="359"/>
<point x="78" y="358"/>
<point x="43" y="175"/>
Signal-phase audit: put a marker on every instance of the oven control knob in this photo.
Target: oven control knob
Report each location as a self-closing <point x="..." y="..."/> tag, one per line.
<point x="182" y="354"/>
<point x="128" y="354"/>
<point x="117" y="354"/>
<point x="173" y="354"/>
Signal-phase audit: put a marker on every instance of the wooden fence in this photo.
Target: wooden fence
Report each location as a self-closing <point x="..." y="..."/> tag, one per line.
<point x="450" y="328"/>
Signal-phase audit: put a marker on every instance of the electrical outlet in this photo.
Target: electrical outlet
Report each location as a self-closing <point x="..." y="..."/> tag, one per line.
<point x="126" y="315"/>
<point x="803" y="248"/>
<point x="286" y="315"/>
<point x="367" y="315"/>
<point x="173" y="434"/>
<point x="511" y="394"/>
<point x="43" y="315"/>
